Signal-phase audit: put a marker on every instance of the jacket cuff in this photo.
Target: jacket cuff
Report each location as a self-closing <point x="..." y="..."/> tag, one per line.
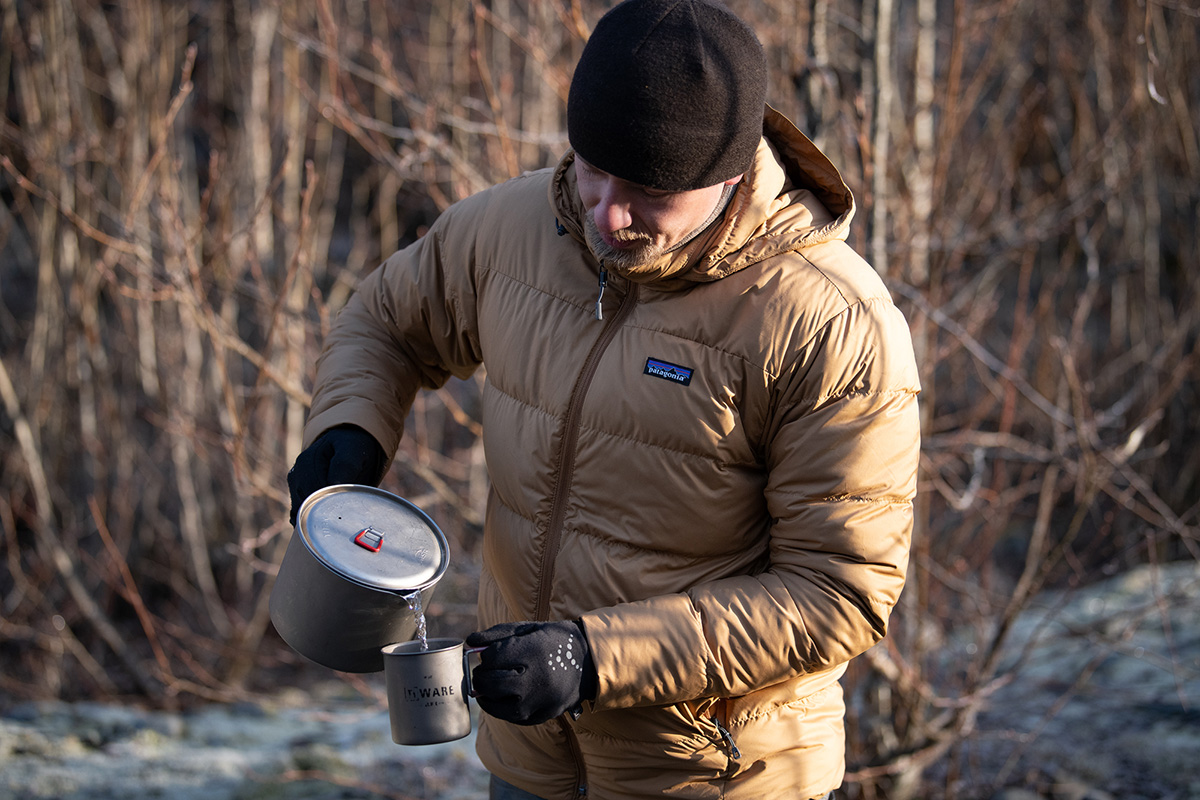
<point x="647" y="653"/>
<point x="361" y="413"/>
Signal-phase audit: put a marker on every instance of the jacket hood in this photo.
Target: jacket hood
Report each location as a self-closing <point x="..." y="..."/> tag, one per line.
<point x="791" y="197"/>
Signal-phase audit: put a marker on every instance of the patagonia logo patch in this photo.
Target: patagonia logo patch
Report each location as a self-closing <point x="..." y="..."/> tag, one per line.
<point x="668" y="371"/>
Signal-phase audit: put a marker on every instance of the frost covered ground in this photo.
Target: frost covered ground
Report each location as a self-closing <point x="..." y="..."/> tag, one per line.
<point x="330" y="743"/>
<point x="1106" y="705"/>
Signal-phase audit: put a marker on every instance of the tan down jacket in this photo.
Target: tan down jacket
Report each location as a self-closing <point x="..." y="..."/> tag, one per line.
<point x="716" y="477"/>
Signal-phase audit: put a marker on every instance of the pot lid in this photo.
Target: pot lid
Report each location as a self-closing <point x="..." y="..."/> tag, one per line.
<point x="372" y="537"/>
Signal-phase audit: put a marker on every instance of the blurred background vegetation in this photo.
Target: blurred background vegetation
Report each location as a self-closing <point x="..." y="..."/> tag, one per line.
<point x="190" y="191"/>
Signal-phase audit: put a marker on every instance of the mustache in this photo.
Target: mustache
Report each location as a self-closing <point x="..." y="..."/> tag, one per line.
<point x="625" y="235"/>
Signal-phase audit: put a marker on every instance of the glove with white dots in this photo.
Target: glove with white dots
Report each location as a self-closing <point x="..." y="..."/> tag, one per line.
<point x="531" y="672"/>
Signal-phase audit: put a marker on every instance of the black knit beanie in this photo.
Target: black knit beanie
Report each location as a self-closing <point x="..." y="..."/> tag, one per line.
<point x="669" y="94"/>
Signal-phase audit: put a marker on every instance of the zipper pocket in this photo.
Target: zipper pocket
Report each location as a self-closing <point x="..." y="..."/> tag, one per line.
<point x="719" y="711"/>
<point x="727" y="740"/>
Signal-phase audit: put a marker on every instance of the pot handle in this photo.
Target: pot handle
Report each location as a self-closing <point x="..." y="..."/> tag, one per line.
<point x="467" y="653"/>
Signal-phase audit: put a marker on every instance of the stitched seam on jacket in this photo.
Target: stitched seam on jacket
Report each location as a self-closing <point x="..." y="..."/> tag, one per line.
<point x="862" y="303"/>
<point x="853" y="393"/>
<point x="698" y="740"/>
<point x="498" y="389"/>
<point x="865" y="393"/>
<point x="540" y="290"/>
<point x="806" y="702"/>
<point x="500" y="499"/>
<point x="664" y="448"/>
<point x="590" y="533"/>
<point x="854" y="498"/>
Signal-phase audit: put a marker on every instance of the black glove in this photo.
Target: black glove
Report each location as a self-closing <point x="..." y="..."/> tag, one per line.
<point x="533" y="671"/>
<point x="345" y="454"/>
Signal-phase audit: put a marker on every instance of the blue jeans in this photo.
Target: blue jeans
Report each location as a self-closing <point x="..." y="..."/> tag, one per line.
<point x="499" y="790"/>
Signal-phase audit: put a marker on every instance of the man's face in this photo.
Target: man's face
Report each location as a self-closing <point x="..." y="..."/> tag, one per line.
<point x="628" y="225"/>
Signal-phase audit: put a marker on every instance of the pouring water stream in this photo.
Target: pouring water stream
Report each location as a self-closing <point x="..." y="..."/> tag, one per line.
<point x="414" y="604"/>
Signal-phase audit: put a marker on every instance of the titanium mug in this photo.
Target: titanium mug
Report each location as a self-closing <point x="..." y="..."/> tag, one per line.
<point x="427" y="690"/>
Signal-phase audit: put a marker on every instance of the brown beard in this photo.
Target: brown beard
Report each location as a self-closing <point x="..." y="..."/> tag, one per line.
<point x="643" y="252"/>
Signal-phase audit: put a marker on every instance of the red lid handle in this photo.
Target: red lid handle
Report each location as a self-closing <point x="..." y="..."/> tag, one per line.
<point x="369" y="539"/>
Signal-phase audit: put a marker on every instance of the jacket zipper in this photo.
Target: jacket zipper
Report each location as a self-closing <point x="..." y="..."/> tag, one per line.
<point x="727" y="738"/>
<point x="566" y="463"/>
<point x="581" y="788"/>
<point x="720" y="709"/>
<point x="600" y="298"/>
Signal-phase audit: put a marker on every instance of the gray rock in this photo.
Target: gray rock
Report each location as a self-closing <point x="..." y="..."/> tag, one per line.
<point x="1107" y="691"/>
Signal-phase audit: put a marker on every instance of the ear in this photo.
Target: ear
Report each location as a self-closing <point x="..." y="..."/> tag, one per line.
<point x="735" y="179"/>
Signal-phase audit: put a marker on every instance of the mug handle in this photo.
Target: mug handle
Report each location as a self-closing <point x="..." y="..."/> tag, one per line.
<point x="467" y="653"/>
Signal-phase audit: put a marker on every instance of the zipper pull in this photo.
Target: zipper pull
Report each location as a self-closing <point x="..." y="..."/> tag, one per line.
<point x="734" y="753"/>
<point x="600" y="299"/>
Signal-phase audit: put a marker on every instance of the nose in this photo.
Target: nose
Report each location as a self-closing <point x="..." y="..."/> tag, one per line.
<point x="612" y="212"/>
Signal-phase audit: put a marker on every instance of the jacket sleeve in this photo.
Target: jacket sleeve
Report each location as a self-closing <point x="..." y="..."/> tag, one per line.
<point x="841" y="452"/>
<point x="409" y="325"/>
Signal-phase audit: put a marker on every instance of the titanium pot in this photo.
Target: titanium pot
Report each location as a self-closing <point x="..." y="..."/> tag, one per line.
<point x="360" y="566"/>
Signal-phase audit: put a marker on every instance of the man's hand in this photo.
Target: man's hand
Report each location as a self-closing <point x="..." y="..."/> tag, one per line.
<point x="533" y="671"/>
<point x="345" y="454"/>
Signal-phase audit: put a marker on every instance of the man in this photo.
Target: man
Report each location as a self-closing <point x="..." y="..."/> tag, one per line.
<point x="699" y="419"/>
